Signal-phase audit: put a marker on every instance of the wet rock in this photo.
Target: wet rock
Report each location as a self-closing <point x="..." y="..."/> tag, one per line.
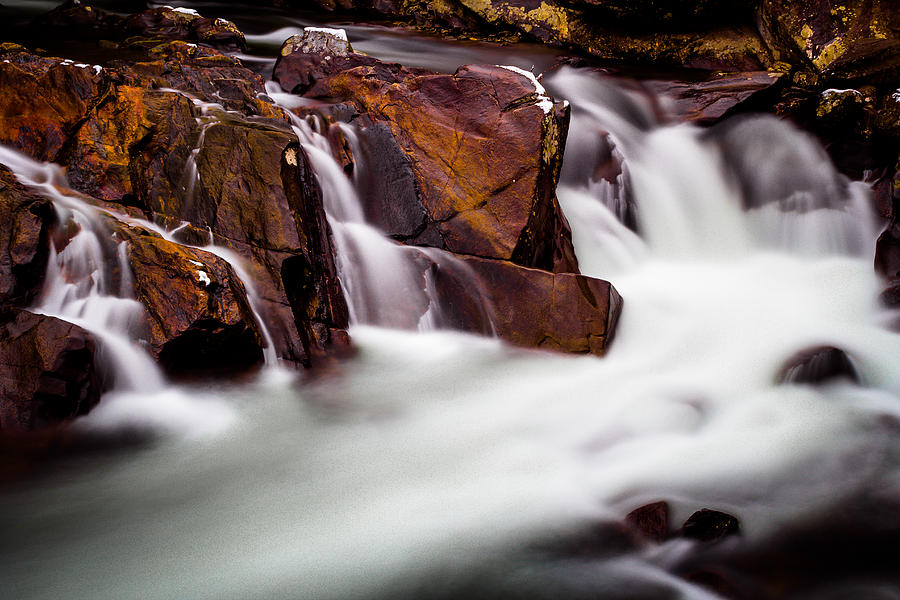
<point x="710" y="525"/>
<point x="677" y="14"/>
<point x="651" y="521"/>
<point x="708" y="101"/>
<point x="842" y="110"/>
<point x="43" y="100"/>
<point x="25" y="222"/>
<point x="533" y="308"/>
<point x="484" y="148"/>
<point x="198" y="317"/>
<point x="852" y="39"/>
<point x="48" y="371"/>
<point x="184" y="24"/>
<point x="314" y="54"/>
<point x="818" y="365"/>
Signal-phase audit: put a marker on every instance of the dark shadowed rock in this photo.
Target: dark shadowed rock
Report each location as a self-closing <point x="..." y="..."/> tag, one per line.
<point x="651" y="521"/>
<point x="484" y="148"/>
<point x="48" y="372"/>
<point x="708" y="101"/>
<point x="183" y="24"/>
<point x="818" y="365"/>
<point x="710" y="525"/>
<point x="198" y="317"/>
<point x="852" y="39"/>
<point x="26" y="219"/>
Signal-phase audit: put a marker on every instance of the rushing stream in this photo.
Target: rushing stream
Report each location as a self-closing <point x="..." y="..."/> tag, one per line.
<point x="437" y="464"/>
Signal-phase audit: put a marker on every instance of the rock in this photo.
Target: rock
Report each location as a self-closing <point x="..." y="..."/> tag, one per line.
<point x="708" y="101"/>
<point x="198" y="317"/>
<point x="533" y="308"/>
<point x="48" y="371"/>
<point x="818" y="365"/>
<point x="710" y="525"/>
<point x="887" y="251"/>
<point x="849" y="40"/>
<point x="26" y="220"/>
<point x="843" y="111"/>
<point x="313" y="55"/>
<point x="675" y="14"/>
<point x="651" y="521"/>
<point x="42" y="102"/>
<point x="482" y="149"/>
<point x="183" y="24"/>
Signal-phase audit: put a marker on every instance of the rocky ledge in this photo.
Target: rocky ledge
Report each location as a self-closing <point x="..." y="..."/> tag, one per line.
<point x="171" y="145"/>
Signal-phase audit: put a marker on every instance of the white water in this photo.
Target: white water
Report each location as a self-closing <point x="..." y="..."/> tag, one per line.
<point x="434" y="457"/>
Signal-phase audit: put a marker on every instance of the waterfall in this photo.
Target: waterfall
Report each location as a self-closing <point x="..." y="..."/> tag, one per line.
<point x="385" y="283"/>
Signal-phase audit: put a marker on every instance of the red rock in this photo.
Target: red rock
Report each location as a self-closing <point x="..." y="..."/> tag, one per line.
<point x="478" y="154"/>
<point x="48" y="372"/>
<point x="708" y="101"/>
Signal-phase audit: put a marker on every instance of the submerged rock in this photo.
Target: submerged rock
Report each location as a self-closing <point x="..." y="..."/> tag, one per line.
<point x="710" y="525"/>
<point x="48" y="371"/>
<point x="818" y="365"/>
<point x="651" y="521"/>
<point x="478" y="153"/>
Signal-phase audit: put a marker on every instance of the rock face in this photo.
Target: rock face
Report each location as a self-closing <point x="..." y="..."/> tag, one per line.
<point x="475" y="158"/>
<point x="708" y="101"/>
<point x="710" y="525"/>
<point x="185" y="134"/>
<point x="47" y="371"/>
<point x="858" y="38"/>
<point x="198" y="318"/>
<point x="313" y="55"/>
<point x="24" y="240"/>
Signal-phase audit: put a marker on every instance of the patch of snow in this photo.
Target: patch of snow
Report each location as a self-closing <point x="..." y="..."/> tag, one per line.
<point x="97" y="69"/>
<point x="896" y="95"/>
<point x="6" y="61"/>
<point x="186" y="11"/>
<point x="204" y="277"/>
<point x="196" y="262"/>
<point x="833" y="91"/>
<point x="338" y="33"/>
<point x="546" y="104"/>
<point x="82" y="66"/>
<point x="538" y="88"/>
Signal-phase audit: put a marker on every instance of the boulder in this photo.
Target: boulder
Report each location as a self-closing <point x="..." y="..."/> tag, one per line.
<point x="198" y="316"/>
<point x="313" y="55"/>
<point x="818" y="365"/>
<point x="43" y="100"/>
<point x="48" y="371"/>
<point x="24" y="240"/>
<point x="478" y="155"/>
<point x="531" y="308"/>
<point x="848" y="40"/>
<point x="710" y="100"/>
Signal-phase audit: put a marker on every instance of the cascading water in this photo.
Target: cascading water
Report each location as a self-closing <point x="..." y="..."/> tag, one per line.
<point x="436" y="462"/>
<point x="386" y="284"/>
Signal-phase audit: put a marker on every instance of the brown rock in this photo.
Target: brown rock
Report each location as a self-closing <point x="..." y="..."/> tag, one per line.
<point x="818" y="365"/>
<point x="857" y="38"/>
<point x="43" y="100"/>
<point x="484" y="149"/>
<point x="708" y="101"/>
<point x="533" y="308"/>
<point x="651" y="521"/>
<point x="183" y="24"/>
<point x="48" y="372"/>
<point x="313" y="55"/>
<point x="198" y="317"/>
<point x="26" y="219"/>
